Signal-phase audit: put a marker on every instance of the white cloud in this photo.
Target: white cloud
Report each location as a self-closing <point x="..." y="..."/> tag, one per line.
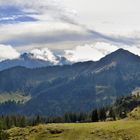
<point x="35" y="29"/>
<point x="8" y="52"/>
<point x="83" y="53"/>
<point x="44" y="54"/>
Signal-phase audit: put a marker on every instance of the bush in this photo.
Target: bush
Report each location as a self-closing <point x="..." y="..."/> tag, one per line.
<point x="4" y="135"/>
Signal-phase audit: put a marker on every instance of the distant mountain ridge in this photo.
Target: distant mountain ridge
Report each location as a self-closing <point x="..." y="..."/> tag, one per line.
<point x="78" y="87"/>
<point x="35" y="60"/>
<point x="38" y="58"/>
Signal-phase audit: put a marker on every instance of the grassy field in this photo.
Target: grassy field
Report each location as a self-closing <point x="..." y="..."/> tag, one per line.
<point x="118" y="130"/>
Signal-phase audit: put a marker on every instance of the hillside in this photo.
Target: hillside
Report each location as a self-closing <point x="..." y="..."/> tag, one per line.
<point x="78" y="87"/>
<point x="118" y="130"/>
<point x="134" y="114"/>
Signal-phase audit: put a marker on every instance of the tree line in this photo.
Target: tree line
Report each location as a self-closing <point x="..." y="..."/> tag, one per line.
<point x="118" y="110"/>
<point x="9" y="121"/>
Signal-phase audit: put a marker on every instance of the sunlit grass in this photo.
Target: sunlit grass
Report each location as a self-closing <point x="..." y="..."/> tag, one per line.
<point x="118" y="130"/>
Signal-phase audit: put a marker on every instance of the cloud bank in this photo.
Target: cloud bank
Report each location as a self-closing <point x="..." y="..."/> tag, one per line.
<point x="7" y="52"/>
<point x="87" y="52"/>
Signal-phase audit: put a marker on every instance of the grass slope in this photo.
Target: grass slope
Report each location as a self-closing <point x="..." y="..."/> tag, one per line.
<point x="118" y="130"/>
<point x="134" y="114"/>
<point x="13" y="97"/>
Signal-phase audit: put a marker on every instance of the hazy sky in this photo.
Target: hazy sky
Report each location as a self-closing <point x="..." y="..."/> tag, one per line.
<point x="101" y="14"/>
<point x="66" y="24"/>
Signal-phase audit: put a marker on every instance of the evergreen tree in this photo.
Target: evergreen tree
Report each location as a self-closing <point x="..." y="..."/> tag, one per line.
<point x="112" y="114"/>
<point x="102" y="114"/>
<point x="22" y="121"/>
<point x="67" y="118"/>
<point x="94" y="116"/>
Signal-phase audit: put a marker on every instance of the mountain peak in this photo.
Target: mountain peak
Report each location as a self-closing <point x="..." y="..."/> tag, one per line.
<point x="26" y="56"/>
<point x="121" y="55"/>
<point x="122" y="52"/>
<point x="35" y="59"/>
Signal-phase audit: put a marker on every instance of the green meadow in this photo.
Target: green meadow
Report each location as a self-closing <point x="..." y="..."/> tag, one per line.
<point x="116" y="130"/>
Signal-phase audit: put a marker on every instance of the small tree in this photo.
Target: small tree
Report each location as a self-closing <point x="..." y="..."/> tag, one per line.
<point x="4" y="135"/>
<point x="102" y="114"/>
<point x="112" y="114"/>
<point x="94" y="116"/>
<point x="67" y="117"/>
<point x="22" y="121"/>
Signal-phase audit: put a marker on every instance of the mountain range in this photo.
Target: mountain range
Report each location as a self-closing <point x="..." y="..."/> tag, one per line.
<point x="35" y="59"/>
<point x="82" y="86"/>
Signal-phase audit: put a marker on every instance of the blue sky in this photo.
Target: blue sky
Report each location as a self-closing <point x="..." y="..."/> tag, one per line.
<point x="63" y="25"/>
<point x="13" y="15"/>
